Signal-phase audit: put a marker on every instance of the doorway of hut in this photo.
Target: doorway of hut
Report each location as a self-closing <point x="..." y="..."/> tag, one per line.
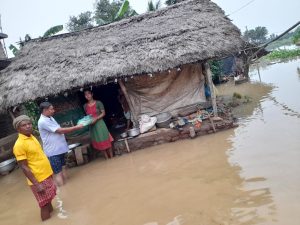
<point x="114" y="117"/>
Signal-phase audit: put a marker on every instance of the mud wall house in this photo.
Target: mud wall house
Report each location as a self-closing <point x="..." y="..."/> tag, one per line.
<point x="157" y="58"/>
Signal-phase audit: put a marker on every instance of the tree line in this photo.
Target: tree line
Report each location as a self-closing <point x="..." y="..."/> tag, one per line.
<point x="259" y="35"/>
<point x="105" y="12"/>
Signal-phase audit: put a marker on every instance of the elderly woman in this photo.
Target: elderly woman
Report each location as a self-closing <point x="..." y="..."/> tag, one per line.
<point x="35" y="165"/>
<point x="100" y="136"/>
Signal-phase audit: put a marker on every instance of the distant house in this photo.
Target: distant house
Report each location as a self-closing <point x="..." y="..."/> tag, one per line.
<point x="158" y="58"/>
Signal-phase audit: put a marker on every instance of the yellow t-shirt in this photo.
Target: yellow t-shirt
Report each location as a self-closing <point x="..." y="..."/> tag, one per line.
<point x="30" y="149"/>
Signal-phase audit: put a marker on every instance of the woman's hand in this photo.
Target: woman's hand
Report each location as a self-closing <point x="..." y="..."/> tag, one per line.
<point x="94" y="121"/>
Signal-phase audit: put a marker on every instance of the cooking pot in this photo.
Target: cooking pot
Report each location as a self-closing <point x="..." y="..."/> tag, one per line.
<point x="133" y="132"/>
<point x="163" y="119"/>
<point x="7" y="165"/>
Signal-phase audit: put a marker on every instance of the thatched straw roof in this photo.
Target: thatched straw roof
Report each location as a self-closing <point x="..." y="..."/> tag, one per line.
<point x="183" y="33"/>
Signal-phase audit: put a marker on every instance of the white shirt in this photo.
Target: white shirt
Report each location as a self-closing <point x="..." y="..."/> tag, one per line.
<point x="53" y="143"/>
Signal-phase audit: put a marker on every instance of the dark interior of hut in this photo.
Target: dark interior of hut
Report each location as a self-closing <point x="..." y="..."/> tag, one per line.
<point x="108" y="95"/>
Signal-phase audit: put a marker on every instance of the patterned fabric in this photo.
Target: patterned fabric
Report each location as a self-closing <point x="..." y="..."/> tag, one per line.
<point x="28" y="148"/>
<point x="57" y="162"/>
<point x="100" y="136"/>
<point x="45" y="197"/>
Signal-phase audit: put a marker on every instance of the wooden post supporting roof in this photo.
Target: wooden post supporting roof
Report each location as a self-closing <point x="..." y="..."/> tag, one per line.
<point x="124" y="90"/>
<point x="211" y="87"/>
<point x="11" y="114"/>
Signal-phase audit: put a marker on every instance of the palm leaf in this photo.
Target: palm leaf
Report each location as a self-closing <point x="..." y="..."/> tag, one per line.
<point x="150" y="6"/>
<point x="157" y="5"/>
<point x="133" y="13"/>
<point x="53" y="30"/>
<point x="123" y="9"/>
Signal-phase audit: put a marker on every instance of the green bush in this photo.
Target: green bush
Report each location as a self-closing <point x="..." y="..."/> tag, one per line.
<point x="216" y="70"/>
<point x="283" y="54"/>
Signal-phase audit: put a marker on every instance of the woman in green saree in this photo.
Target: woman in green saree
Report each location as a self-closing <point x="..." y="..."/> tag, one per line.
<point x="100" y="136"/>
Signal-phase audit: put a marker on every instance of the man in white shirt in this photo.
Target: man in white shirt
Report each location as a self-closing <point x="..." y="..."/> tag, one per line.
<point x="54" y="142"/>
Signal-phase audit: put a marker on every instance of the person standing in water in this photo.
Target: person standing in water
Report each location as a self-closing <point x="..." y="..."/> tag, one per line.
<point x="99" y="134"/>
<point x="35" y="165"/>
<point x="54" y="141"/>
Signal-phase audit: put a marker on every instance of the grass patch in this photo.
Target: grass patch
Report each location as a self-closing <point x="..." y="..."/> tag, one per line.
<point x="283" y="54"/>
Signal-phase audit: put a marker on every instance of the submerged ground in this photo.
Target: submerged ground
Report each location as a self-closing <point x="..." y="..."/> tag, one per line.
<point x="247" y="175"/>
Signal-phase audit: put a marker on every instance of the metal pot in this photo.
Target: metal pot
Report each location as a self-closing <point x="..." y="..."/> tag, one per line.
<point x="163" y="120"/>
<point x="133" y="132"/>
<point x="7" y="165"/>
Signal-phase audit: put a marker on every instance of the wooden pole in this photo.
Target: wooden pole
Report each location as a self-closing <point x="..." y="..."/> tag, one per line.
<point x="11" y="114"/>
<point x="211" y="87"/>
<point x="124" y="90"/>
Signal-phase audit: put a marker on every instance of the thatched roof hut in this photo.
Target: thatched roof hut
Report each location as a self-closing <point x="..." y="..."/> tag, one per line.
<point x="187" y="32"/>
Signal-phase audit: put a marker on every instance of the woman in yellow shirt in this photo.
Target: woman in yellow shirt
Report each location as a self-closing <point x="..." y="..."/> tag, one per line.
<point x="35" y="165"/>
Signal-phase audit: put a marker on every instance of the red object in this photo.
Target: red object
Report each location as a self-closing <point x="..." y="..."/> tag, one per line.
<point x="104" y="144"/>
<point x="45" y="197"/>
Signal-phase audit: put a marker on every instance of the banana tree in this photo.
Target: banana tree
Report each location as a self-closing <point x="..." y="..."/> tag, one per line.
<point x="153" y="6"/>
<point x="107" y="12"/>
<point x="48" y="33"/>
<point x="123" y="9"/>
<point x="53" y="30"/>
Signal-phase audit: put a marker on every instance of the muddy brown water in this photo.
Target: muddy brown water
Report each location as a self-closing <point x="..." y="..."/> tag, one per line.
<point x="247" y="175"/>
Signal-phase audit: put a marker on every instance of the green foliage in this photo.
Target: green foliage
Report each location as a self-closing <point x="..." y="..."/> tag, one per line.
<point x="283" y="54"/>
<point x="279" y="43"/>
<point x="152" y="6"/>
<point x="50" y="32"/>
<point x="32" y="110"/>
<point x="53" y="30"/>
<point x="82" y="21"/>
<point x="237" y="95"/>
<point x="296" y="36"/>
<point x="14" y="49"/>
<point x="216" y="69"/>
<point x="123" y="9"/>
<point x="107" y="12"/>
<point x="171" y="2"/>
<point x="247" y="99"/>
<point x="258" y="35"/>
<point x="287" y="39"/>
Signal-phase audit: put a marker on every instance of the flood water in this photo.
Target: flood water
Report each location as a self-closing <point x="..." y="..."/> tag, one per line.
<point x="247" y="175"/>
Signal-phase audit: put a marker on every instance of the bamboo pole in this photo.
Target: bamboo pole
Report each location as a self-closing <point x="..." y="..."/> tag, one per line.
<point x="124" y="90"/>
<point x="211" y="87"/>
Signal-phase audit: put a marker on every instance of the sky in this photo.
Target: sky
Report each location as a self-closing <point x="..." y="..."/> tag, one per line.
<point x="34" y="17"/>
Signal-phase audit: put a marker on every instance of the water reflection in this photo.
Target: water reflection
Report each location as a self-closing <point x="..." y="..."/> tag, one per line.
<point x="256" y="92"/>
<point x="266" y="147"/>
<point x="187" y="182"/>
